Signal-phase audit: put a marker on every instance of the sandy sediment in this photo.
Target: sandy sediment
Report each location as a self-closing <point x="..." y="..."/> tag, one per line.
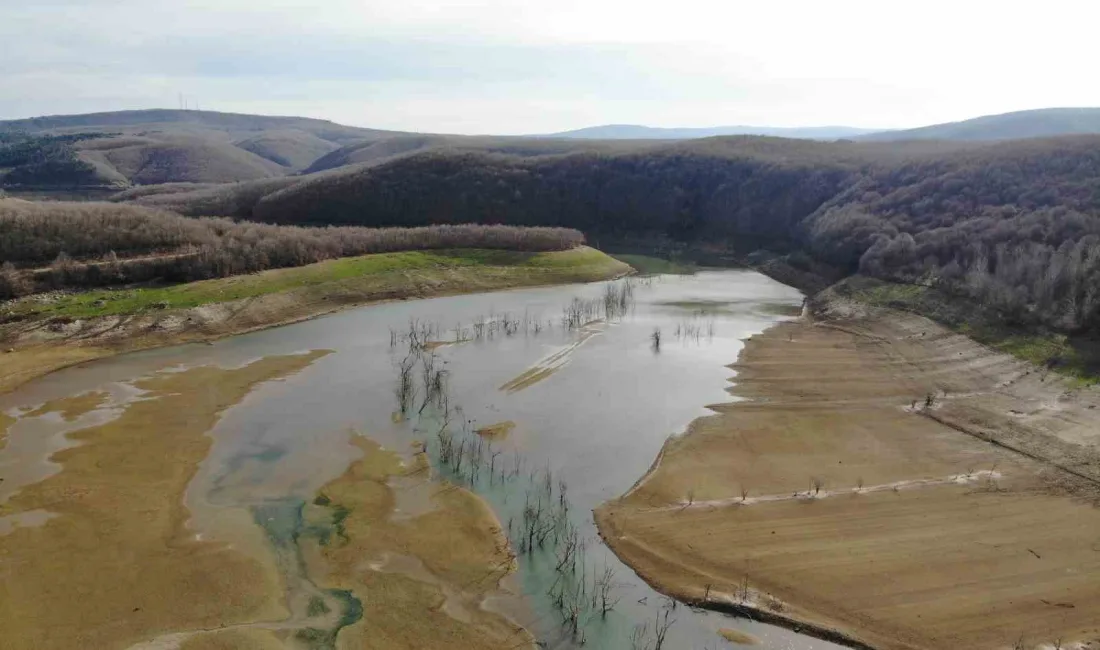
<point x="245" y="639"/>
<point x="5" y="422"/>
<point x="421" y="581"/>
<point x="115" y="565"/>
<point x="886" y="481"/>
<point x="71" y="408"/>
<point x="555" y="361"/>
<point x="498" y="431"/>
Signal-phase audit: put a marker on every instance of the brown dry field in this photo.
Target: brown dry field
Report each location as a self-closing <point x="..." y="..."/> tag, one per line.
<point x="422" y="580"/>
<point x="977" y="562"/>
<point x="116" y="565"/>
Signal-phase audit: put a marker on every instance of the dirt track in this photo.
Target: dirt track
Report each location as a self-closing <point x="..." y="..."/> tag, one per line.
<point x="846" y="501"/>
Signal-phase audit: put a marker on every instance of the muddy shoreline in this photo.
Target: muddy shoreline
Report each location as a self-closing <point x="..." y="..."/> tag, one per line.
<point x="737" y="610"/>
<point x="29" y="350"/>
<point x="971" y="391"/>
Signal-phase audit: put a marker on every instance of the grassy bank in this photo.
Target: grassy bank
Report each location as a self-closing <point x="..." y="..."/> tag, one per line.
<point x="387" y="272"/>
<point x="43" y="333"/>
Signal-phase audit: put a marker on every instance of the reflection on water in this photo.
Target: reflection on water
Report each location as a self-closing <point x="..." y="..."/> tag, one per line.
<point x="594" y="416"/>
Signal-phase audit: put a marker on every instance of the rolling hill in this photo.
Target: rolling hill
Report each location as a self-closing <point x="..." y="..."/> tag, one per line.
<point x="291" y="149"/>
<point x="128" y="148"/>
<point x="165" y="146"/>
<point x="638" y="132"/>
<point x="229" y="126"/>
<point x="1039" y="123"/>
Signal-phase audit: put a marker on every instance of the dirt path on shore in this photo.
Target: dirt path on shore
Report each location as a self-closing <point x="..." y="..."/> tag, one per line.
<point x="886" y="479"/>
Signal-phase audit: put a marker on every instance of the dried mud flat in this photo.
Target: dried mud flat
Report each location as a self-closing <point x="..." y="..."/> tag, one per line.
<point x="113" y="563"/>
<point x="840" y="498"/>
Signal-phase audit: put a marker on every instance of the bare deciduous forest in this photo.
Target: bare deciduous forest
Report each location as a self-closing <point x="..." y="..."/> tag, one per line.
<point x="1014" y="225"/>
<point x="99" y="244"/>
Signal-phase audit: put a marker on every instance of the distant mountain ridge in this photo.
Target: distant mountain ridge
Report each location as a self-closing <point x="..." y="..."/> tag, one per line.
<point x="147" y="147"/>
<point x="233" y="125"/>
<point x="640" y="132"/>
<point x="1038" y="123"/>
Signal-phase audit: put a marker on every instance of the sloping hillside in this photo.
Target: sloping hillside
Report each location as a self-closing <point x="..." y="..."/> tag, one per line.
<point x="374" y="152"/>
<point x="639" y="132"/>
<point x="1039" y="123"/>
<point x="293" y="150"/>
<point x="231" y="126"/>
<point x="190" y="159"/>
<point x="159" y="146"/>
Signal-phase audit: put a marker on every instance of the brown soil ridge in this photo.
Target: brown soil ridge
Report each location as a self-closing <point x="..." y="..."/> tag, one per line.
<point x="839" y="404"/>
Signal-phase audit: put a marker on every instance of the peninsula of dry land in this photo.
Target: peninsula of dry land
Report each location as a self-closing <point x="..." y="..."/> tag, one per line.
<point x="884" y="480"/>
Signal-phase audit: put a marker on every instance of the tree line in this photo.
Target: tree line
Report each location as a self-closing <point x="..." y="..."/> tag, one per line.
<point x="56" y="244"/>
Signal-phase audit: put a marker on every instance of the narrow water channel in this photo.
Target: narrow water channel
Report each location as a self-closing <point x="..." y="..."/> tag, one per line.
<point x="589" y="406"/>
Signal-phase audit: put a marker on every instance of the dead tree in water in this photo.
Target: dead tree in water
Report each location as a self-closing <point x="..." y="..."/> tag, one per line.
<point x="406" y="386"/>
<point x="661" y="627"/>
<point x="605" y="586"/>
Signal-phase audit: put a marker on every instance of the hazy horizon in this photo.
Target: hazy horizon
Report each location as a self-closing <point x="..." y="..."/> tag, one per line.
<point x="488" y="67"/>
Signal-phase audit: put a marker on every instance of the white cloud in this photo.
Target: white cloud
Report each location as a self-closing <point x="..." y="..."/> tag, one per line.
<point x="541" y="65"/>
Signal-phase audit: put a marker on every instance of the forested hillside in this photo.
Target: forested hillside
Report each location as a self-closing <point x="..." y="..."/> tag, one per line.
<point x="1014" y="225"/>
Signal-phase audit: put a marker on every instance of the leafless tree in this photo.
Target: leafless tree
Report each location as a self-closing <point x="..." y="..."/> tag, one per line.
<point x="605" y="590"/>
<point x="661" y="626"/>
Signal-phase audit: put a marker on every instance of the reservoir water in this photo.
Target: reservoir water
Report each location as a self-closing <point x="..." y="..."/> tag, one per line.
<point x="589" y="406"/>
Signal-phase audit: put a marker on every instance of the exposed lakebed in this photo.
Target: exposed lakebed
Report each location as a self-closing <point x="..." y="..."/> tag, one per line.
<point x="590" y="406"/>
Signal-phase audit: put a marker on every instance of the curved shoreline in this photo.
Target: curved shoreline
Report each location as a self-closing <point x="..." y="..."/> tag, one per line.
<point x="31" y="351"/>
<point x="834" y="402"/>
<point x="804" y="626"/>
<point x="739" y="610"/>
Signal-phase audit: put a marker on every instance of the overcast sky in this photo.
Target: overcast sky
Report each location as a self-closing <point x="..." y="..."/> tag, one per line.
<point x="533" y="66"/>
